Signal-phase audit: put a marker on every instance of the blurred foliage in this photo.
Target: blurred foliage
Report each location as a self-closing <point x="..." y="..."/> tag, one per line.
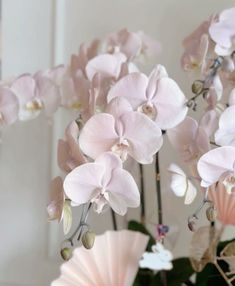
<point x="182" y="270"/>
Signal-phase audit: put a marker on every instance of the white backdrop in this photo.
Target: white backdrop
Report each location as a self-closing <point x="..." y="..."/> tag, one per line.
<point x="36" y="35"/>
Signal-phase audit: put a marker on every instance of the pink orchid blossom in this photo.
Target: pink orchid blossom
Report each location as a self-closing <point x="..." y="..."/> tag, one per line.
<point x="218" y="164"/>
<point x="56" y="201"/>
<point x="122" y="131"/>
<point x="225" y="135"/>
<point x="29" y="105"/>
<point x="9" y="106"/>
<point x="69" y="154"/>
<point x="103" y="182"/>
<point x="125" y="42"/>
<point x="34" y="95"/>
<point x="196" y="48"/>
<point x="66" y="82"/>
<point x="158" y="96"/>
<point x="222" y="32"/>
<point x="48" y="93"/>
<point x="189" y="139"/>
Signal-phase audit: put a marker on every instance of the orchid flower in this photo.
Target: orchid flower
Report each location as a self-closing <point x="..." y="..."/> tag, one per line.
<point x="123" y="131"/>
<point x="181" y="185"/>
<point x="126" y="42"/>
<point x="35" y="94"/>
<point x="222" y="32"/>
<point x="159" y="259"/>
<point x="103" y="182"/>
<point x="9" y="106"/>
<point x="218" y="164"/>
<point x="69" y="154"/>
<point x="196" y="48"/>
<point x="158" y="96"/>
<point x="189" y="139"/>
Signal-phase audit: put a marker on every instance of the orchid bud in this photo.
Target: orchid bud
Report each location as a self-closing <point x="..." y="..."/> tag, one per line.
<point x="197" y="87"/>
<point x="211" y="213"/>
<point x="66" y="253"/>
<point x="192" y="224"/>
<point x="228" y="65"/>
<point x="88" y="239"/>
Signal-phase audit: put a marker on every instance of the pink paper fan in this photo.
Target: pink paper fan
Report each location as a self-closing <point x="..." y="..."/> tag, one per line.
<point x="224" y="203"/>
<point x="114" y="260"/>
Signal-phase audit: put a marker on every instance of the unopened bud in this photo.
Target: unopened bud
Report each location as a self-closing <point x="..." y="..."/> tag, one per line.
<point x="192" y="224"/>
<point x="88" y="239"/>
<point x="66" y="253"/>
<point x="197" y="87"/>
<point x="211" y="213"/>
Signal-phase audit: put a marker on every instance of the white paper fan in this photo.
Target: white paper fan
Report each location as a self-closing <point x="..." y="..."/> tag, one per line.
<point x="113" y="261"/>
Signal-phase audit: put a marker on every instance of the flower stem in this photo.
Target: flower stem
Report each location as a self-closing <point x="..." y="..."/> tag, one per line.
<point x="158" y="189"/>
<point x="114" y="220"/>
<point x="142" y="198"/>
<point x="163" y="276"/>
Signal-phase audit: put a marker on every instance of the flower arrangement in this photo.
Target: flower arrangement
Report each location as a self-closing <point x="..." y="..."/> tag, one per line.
<point x="122" y="116"/>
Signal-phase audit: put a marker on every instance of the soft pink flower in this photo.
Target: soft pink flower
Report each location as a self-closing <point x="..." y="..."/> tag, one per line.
<point x="56" y="201"/>
<point x="35" y="94"/>
<point x="189" y="139"/>
<point x="222" y="32"/>
<point x="158" y="96"/>
<point x="69" y="154"/>
<point x="218" y="164"/>
<point x="9" y="106"/>
<point x="125" y="42"/>
<point x="103" y="182"/>
<point x="196" y="47"/>
<point x="122" y="131"/>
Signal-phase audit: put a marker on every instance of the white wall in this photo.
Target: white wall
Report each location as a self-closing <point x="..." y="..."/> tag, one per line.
<point x="27" y="155"/>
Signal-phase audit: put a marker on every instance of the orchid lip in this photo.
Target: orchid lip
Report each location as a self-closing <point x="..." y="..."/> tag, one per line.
<point x="148" y="109"/>
<point x="34" y="105"/>
<point x="121" y="149"/>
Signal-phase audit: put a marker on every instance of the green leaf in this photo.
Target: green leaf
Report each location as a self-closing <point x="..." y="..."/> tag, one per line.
<point x="181" y="272"/>
<point x="136" y="226"/>
<point x="209" y="276"/>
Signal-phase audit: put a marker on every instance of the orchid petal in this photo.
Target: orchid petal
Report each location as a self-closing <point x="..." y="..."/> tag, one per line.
<point x="132" y="87"/>
<point x="225" y="135"/>
<point x="144" y="136"/>
<point x="81" y="184"/>
<point x="170" y="104"/>
<point x="122" y="190"/>
<point x="9" y="106"/>
<point x="106" y="64"/>
<point x="215" y="163"/>
<point x="98" y="135"/>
